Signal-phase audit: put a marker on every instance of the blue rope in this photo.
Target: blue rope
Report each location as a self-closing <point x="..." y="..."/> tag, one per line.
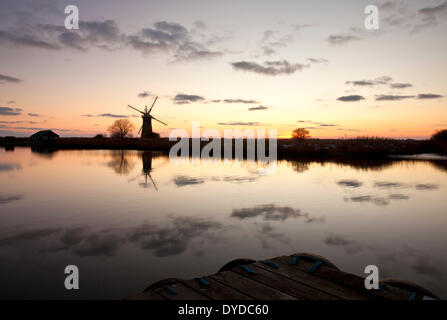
<point x="203" y="282"/>
<point x="294" y="260"/>
<point x="315" y="266"/>
<point x="413" y="296"/>
<point x="270" y="264"/>
<point x="170" y="290"/>
<point x="247" y="269"/>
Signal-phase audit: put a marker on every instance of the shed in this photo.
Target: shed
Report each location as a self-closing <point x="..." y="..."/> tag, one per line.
<point x="45" y="135"/>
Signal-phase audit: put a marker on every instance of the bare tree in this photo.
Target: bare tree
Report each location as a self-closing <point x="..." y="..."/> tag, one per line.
<point x="300" y="133"/>
<point x="121" y="128"/>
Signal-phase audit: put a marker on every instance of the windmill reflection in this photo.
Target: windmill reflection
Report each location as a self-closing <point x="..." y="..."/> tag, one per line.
<point x="146" y="158"/>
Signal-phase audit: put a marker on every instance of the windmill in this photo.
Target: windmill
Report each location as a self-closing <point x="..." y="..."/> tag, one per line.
<point x="146" y="128"/>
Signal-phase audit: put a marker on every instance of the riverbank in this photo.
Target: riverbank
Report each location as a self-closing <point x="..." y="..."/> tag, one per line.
<point x="287" y="148"/>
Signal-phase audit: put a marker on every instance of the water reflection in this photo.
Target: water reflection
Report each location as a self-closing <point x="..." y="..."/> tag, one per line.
<point x="95" y="212"/>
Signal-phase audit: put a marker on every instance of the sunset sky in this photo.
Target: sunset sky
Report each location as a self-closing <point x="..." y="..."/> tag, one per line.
<point x="228" y="64"/>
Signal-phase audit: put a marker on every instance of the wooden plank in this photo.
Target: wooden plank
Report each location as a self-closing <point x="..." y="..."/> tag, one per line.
<point x="309" y="279"/>
<point x="284" y="284"/>
<point x="148" y="295"/>
<point x="216" y="290"/>
<point x="347" y="279"/>
<point x="182" y="293"/>
<point x="249" y="287"/>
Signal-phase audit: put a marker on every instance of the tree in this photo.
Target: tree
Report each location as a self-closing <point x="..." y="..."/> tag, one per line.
<point x="121" y="128"/>
<point x="440" y="135"/>
<point x="300" y="133"/>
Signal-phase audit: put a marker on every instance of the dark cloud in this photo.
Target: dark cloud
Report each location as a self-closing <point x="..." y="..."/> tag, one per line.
<point x="181" y="181"/>
<point x="350" y="183"/>
<point x="187" y="98"/>
<point x="429" y="96"/>
<point x="34" y="115"/>
<point x="239" y="123"/>
<point x="337" y="240"/>
<point x="173" y="38"/>
<point x="257" y="108"/>
<point x="392" y="97"/>
<point x="100" y="34"/>
<point x="97" y="245"/>
<point x="350" y="98"/>
<point x="5" y="78"/>
<point x="271" y="212"/>
<point x="174" y="238"/>
<point x="8" y="199"/>
<point x="144" y="94"/>
<point x="431" y="16"/>
<point x="7" y="111"/>
<point x="270" y="68"/>
<point x="367" y="198"/>
<point x="10" y="166"/>
<point x="28" y="236"/>
<point x="25" y="41"/>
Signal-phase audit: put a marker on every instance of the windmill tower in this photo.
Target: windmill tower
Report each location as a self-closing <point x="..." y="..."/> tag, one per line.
<point x="146" y="128"/>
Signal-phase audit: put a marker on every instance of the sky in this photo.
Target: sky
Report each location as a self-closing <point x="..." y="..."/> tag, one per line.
<point x="228" y="64"/>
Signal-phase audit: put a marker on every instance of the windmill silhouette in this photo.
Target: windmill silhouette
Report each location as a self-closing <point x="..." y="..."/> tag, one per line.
<point x="146" y="128"/>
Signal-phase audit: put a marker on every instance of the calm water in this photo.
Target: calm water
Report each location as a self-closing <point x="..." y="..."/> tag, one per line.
<point x="129" y="218"/>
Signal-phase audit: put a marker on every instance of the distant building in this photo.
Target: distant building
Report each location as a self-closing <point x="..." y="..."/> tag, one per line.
<point x="44" y="136"/>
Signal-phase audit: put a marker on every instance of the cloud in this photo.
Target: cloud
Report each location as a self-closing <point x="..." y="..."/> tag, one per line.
<point x="387" y="185"/>
<point x="341" y="39"/>
<point x="353" y="34"/>
<point x="251" y="101"/>
<point x="257" y="108"/>
<point x="5" y="78"/>
<point x="400" y="85"/>
<point x="187" y="98"/>
<point x="239" y="123"/>
<point x="429" y="96"/>
<point x="377" y="81"/>
<point x="25" y="41"/>
<point x="8" y="199"/>
<point x="34" y="115"/>
<point x="144" y="94"/>
<point x="430" y="16"/>
<point x="317" y="60"/>
<point x="7" y="111"/>
<point x="351" y="98"/>
<point x="269" y="212"/>
<point x="181" y="181"/>
<point x="392" y="97"/>
<point x="270" y="68"/>
<point x="350" y="183"/>
<point x="174" y="238"/>
<point x="173" y="38"/>
<point x="426" y="186"/>
<point x="105" y="115"/>
<point x="10" y="166"/>
<point x="337" y="240"/>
